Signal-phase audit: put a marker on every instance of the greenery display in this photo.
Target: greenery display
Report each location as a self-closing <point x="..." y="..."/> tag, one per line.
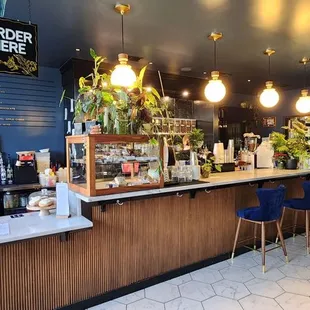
<point x="196" y="139"/>
<point x="124" y="110"/>
<point x="295" y="147"/>
<point x="207" y="167"/>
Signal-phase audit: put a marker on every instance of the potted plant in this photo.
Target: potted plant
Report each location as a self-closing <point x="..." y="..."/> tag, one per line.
<point x="207" y="167"/>
<point x="196" y="139"/>
<point x="119" y="110"/>
<point x="289" y="151"/>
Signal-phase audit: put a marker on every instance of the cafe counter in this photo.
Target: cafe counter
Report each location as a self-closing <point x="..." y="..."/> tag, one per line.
<point x="137" y="239"/>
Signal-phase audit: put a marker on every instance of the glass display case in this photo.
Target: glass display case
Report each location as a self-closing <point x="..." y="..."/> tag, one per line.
<point x="108" y="164"/>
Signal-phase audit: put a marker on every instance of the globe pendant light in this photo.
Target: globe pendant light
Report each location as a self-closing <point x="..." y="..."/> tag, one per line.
<point x="303" y="103"/>
<point x="123" y="75"/>
<point x="269" y="97"/>
<point x="215" y="90"/>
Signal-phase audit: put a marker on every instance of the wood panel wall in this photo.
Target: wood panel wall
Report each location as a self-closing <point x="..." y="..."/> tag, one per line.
<point x="128" y="243"/>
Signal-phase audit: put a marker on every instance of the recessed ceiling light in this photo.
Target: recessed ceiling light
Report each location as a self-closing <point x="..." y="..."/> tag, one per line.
<point x="186" y="69"/>
<point x="149" y="89"/>
<point x="185" y="93"/>
<point x="249" y="80"/>
<point x="77" y="50"/>
<point x="150" y="63"/>
<point x="204" y="72"/>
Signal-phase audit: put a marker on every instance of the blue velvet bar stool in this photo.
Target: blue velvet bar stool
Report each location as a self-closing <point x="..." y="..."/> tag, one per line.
<point x="299" y="205"/>
<point x="269" y="211"/>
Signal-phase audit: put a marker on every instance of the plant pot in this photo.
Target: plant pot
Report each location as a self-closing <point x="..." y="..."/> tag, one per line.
<point x="205" y="173"/>
<point x="291" y="164"/>
<point x="280" y="165"/>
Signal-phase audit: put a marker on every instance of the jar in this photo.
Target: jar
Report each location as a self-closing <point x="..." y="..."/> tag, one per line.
<point x="23" y="201"/>
<point x="10" y="200"/>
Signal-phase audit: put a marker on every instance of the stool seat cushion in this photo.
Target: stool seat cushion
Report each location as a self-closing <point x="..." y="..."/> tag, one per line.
<point x="270" y="208"/>
<point x="297" y="204"/>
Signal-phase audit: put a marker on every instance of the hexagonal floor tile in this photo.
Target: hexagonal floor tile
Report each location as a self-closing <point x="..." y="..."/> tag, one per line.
<point x="271" y="261"/>
<point x="243" y="262"/>
<point x="295" y="286"/>
<point x="271" y="274"/>
<point x="293" y="302"/>
<point x="206" y="275"/>
<point x="162" y="292"/>
<point x="236" y="274"/>
<point x="264" y="288"/>
<point x="221" y="303"/>
<point x="294" y="271"/>
<point x="219" y="266"/>
<point x="111" y="305"/>
<point x="196" y="290"/>
<point x="183" y="304"/>
<point x="128" y="299"/>
<point x="253" y="302"/>
<point x="301" y="260"/>
<point x="146" y="304"/>
<point x="230" y="289"/>
<point x="180" y="280"/>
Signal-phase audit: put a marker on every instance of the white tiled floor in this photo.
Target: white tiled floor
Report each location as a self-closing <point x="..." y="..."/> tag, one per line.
<point x="237" y="285"/>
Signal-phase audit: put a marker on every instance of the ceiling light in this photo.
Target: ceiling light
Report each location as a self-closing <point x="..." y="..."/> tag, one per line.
<point x="303" y="103"/>
<point x="205" y="72"/>
<point x="150" y="63"/>
<point x="185" y="93"/>
<point x="149" y="89"/>
<point x="215" y="90"/>
<point x="249" y="81"/>
<point x="269" y="97"/>
<point x="77" y="50"/>
<point x="123" y="75"/>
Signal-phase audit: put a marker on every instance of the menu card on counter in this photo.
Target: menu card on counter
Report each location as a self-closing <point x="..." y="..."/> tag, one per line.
<point x="4" y="229"/>
<point x="62" y="195"/>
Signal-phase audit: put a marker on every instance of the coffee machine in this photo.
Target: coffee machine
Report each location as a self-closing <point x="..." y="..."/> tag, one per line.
<point x="25" y="171"/>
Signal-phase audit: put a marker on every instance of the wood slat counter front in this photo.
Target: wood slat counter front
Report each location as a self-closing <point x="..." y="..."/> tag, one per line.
<point x="138" y="240"/>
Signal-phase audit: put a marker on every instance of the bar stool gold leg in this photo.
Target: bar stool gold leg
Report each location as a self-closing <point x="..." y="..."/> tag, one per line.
<point x="282" y="240"/>
<point x="255" y="236"/>
<point x="307" y="231"/>
<point x="295" y="223"/>
<point x="281" y="223"/>
<point x="263" y="247"/>
<point x="236" y="238"/>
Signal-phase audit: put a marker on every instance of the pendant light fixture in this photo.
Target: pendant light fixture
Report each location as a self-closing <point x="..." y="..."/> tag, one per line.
<point x="269" y="97"/>
<point x="122" y="74"/>
<point x="215" y="90"/>
<point x="303" y="103"/>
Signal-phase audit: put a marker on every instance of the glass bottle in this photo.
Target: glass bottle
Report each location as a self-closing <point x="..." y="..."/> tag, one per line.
<point x="9" y="171"/>
<point x="3" y="174"/>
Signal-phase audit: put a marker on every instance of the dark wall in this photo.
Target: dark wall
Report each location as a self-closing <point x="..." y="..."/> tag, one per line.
<point x="30" y="106"/>
<point x="286" y="107"/>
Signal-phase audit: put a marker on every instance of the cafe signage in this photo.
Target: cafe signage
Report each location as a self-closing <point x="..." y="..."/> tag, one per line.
<point x="18" y="47"/>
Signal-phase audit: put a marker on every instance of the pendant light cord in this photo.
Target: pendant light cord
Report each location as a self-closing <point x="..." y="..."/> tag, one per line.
<point x="123" y="44"/>
<point x="215" y="54"/>
<point x="29" y="11"/>
<point x="305" y="77"/>
<point x="269" y="66"/>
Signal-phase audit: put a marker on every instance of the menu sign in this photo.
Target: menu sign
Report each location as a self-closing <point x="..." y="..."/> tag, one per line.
<point x="18" y="47"/>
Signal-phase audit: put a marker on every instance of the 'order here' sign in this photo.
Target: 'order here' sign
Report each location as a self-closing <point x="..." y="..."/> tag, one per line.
<point x="18" y="47"/>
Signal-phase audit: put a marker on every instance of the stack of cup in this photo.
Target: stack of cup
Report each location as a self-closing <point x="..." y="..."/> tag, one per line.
<point x="230" y="151"/>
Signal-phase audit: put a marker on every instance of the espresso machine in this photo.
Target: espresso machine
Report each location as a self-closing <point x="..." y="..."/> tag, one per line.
<point x="25" y="171"/>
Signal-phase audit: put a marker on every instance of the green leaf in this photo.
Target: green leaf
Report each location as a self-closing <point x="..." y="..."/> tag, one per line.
<point x="155" y="93"/>
<point x="107" y="97"/>
<point x="141" y="74"/>
<point x="92" y="53"/>
<point x="62" y="97"/>
<point x="84" y="90"/>
<point x="81" y="82"/>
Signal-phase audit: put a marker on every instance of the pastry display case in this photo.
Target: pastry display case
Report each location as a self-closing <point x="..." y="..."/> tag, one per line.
<point x="108" y="164"/>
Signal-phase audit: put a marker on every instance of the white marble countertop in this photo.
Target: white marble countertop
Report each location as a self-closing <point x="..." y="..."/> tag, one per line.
<point x="31" y="225"/>
<point x="216" y="179"/>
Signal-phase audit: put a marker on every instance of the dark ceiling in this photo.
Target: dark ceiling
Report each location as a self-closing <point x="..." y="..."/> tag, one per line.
<point x="173" y="34"/>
